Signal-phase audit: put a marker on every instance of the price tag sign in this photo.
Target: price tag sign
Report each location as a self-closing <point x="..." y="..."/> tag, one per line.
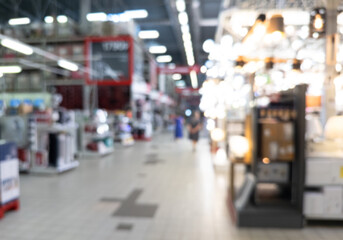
<point x="109" y="60"/>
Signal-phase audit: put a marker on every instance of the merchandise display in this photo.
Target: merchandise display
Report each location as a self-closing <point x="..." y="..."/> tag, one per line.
<point x="9" y="178"/>
<point x="96" y="135"/>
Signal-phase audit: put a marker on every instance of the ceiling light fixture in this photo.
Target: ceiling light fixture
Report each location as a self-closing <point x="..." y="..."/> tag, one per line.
<point x="180" y="5"/>
<point x="194" y="79"/>
<point x="96" y="17"/>
<point x="10" y="69"/>
<point x="136" y="14"/>
<point x="67" y="65"/>
<point x="164" y="59"/>
<point x="19" y="21"/>
<point x="17" y="46"/>
<point x="148" y="34"/>
<point x="177" y="76"/>
<point x="157" y="49"/>
<point x="62" y="19"/>
<point x="183" y="18"/>
<point x="48" y="19"/>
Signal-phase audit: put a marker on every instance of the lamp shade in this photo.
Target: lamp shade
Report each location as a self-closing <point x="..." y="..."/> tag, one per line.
<point x="275" y="24"/>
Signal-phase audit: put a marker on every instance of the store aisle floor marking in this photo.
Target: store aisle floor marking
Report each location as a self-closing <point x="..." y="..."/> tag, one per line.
<point x="130" y="208"/>
<point x="124" y="227"/>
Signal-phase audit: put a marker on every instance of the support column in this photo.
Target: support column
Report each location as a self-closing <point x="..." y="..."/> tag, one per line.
<point x="85" y="8"/>
<point x="332" y="40"/>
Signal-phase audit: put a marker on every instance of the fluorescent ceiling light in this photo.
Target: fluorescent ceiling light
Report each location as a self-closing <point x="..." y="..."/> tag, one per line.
<point x="96" y="17"/>
<point x="62" y="19"/>
<point x="19" y="21"/>
<point x="183" y="18"/>
<point x="181" y="5"/>
<point x="186" y="37"/>
<point x="10" y="69"/>
<point x="194" y="79"/>
<point x="157" y="49"/>
<point x="148" y="34"/>
<point x="185" y="28"/>
<point x="17" y="46"/>
<point x="67" y="65"/>
<point x="134" y="14"/>
<point x="177" y="76"/>
<point x="48" y="19"/>
<point x="164" y="59"/>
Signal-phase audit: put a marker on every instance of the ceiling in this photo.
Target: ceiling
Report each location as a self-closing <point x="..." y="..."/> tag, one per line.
<point x="203" y="15"/>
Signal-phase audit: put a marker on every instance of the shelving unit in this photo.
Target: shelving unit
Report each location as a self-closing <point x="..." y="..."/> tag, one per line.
<point x="278" y="164"/>
<point x="323" y="196"/>
<point x="9" y="178"/>
<point x="96" y="138"/>
<point x="62" y="147"/>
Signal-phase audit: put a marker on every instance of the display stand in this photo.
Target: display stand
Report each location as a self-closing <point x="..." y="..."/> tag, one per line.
<point x="96" y="138"/>
<point x="9" y="178"/>
<point x="278" y="164"/>
<point x="65" y="151"/>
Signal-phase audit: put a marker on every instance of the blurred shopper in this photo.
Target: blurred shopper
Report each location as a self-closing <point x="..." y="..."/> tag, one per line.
<point x="194" y="128"/>
<point x="178" y="127"/>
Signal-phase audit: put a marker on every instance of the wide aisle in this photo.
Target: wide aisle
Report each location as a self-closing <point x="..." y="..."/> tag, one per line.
<point x="154" y="190"/>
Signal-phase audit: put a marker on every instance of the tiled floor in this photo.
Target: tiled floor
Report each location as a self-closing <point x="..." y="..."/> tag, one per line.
<point x="157" y="190"/>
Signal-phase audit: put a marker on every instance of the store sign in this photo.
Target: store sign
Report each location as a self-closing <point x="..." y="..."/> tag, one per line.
<point x="179" y="69"/>
<point x="109" y="60"/>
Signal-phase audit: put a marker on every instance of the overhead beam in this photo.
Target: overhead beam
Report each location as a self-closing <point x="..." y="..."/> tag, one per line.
<point x="165" y="22"/>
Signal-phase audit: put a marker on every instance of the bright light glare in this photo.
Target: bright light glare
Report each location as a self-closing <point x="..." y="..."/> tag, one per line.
<point x="208" y="45"/>
<point x="62" y="19"/>
<point x="67" y="65"/>
<point x="136" y="14"/>
<point x="183" y="18"/>
<point x="180" y="5"/>
<point x="211" y="124"/>
<point x="188" y="112"/>
<point x="17" y="46"/>
<point x="148" y="34"/>
<point x="157" y="49"/>
<point x="96" y="17"/>
<point x="164" y="59"/>
<point x="19" y="21"/>
<point x="217" y="134"/>
<point x="239" y="146"/>
<point x="203" y="69"/>
<point x="10" y="69"/>
<point x="194" y="79"/>
<point x="48" y="19"/>
<point x="177" y="76"/>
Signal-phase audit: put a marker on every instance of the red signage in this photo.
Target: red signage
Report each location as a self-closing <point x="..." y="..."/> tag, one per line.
<point x="179" y="69"/>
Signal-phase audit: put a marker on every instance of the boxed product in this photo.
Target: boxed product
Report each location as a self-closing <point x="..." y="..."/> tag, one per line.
<point x="9" y="172"/>
<point x="321" y="171"/>
<point x="313" y="203"/>
<point x="40" y="158"/>
<point x="277" y="141"/>
<point x="25" y="108"/>
<point x="273" y="172"/>
<point x="333" y="199"/>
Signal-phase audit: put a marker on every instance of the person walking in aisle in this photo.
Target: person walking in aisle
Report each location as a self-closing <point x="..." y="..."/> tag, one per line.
<point x="178" y="127"/>
<point x="194" y="128"/>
